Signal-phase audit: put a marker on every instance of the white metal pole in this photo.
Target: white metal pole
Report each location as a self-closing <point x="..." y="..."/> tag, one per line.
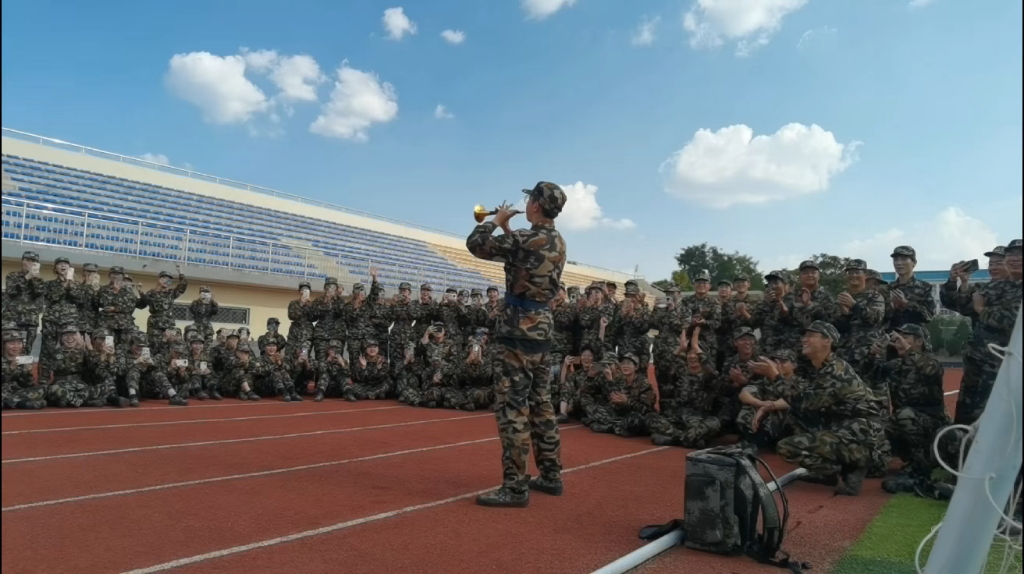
<point x="993" y="463"/>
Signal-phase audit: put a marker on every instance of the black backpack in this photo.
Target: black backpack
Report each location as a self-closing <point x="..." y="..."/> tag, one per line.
<point x="725" y="496"/>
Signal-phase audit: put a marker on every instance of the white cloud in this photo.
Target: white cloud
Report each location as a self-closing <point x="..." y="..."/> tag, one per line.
<point x="397" y="23"/>
<point x="358" y="101"/>
<point x="644" y="34"/>
<point x="217" y="86"/>
<point x="950" y="235"/>
<point x="582" y="212"/>
<point x="540" y="9"/>
<point x="442" y="113"/>
<point x="751" y="23"/>
<point x="454" y="36"/>
<point x="297" y="77"/>
<point x="260" y="60"/>
<point x="155" y="158"/>
<point x="732" y="167"/>
<point x="809" y="37"/>
<point x="919" y="3"/>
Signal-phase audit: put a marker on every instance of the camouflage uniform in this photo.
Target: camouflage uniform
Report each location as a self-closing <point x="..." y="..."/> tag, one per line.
<point x="575" y="385"/>
<point x="630" y="418"/>
<point x="333" y="372"/>
<point x="302" y="370"/>
<point x="403" y="314"/>
<point x="150" y="378"/>
<point x="406" y="375"/>
<point x="687" y="416"/>
<point x="918" y="405"/>
<point x="202" y="376"/>
<point x="731" y="413"/>
<point x="632" y="328"/>
<point x="301" y="314"/>
<point x="24" y="301"/>
<point x="840" y="419"/>
<point x="202" y="312"/>
<point x="160" y="302"/>
<point x="669" y="320"/>
<point x="564" y="317"/>
<point x="861" y="326"/>
<point x="476" y="383"/>
<point x="440" y="359"/>
<point x="589" y="319"/>
<point x="102" y="369"/>
<point x="272" y="334"/>
<point x="19" y="388"/>
<point x="62" y="298"/>
<point x="494" y="309"/>
<point x="68" y="387"/>
<point x="920" y="308"/>
<point x="451" y="313"/>
<point x="779" y="330"/>
<point x="708" y="308"/>
<point x="272" y="376"/>
<point x="120" y="320"/>
<point x="330" y="325"/>
<point x="773" y="425"/>
<point x="533" y="259"/>
<point x="373" y="380"/>
<point x="726" y="327"/>
<point x="823" y="306"/>
<point x="360" y="319"/>
<point x="243" y="369"/>
<point x="88" y="318"/>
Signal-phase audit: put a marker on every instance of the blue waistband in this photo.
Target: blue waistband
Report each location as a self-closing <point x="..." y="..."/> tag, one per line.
<point x="512" y="301"/>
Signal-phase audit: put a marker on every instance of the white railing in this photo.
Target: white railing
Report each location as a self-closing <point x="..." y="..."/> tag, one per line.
<point x="29" y="222"/>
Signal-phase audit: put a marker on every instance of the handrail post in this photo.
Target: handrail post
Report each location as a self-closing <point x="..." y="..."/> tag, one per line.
<point x="231" y="251"/>
<point x="85" y="230"/>
<point x="138" y="242"/>
<point x="270" y="259"/>
<point x="305" y="265"/>
<point x="185" y="254"/>
<point x="24" y="220"/>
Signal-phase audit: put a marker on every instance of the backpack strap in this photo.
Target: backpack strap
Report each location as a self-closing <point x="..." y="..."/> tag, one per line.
<point x="656" y="531"/>
<point x="765" y="546"/>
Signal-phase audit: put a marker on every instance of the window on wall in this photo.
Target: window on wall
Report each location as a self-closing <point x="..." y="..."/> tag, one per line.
<point x="232" y="315"/>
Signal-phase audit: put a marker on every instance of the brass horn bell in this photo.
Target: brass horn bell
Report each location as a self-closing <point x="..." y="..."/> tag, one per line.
<point x="480" y="213"/>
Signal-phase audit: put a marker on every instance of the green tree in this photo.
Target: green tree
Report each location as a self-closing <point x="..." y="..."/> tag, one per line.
<point x="679" y="277"/>
<point x="955" y="343"/>
<point x="936" y="333"/>
<point x="720" y="264"/>
<point x="833" y="272"/>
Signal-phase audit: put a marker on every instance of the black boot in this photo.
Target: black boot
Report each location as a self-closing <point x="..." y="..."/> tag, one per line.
<point x="853" y="481"/>
<point x="116" y="401"/>
<point x="504" y="498"/>
<point x="319" y="396"/>
<point x="553" y="487"/>
<point x="215" y="395"/>
<point x="178" y="400"/>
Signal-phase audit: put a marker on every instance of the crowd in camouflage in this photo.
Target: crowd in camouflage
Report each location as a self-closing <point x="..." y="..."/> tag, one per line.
<point x="837" y="385"/>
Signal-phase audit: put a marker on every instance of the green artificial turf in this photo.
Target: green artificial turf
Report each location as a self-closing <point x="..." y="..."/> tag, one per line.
<point x="889" y="543"/>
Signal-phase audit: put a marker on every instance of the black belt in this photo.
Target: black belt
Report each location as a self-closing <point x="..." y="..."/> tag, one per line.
<point x="525" y="304"/>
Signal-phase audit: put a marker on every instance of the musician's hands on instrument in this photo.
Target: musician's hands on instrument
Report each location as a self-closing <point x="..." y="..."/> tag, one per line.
<point x="505" y="213"/>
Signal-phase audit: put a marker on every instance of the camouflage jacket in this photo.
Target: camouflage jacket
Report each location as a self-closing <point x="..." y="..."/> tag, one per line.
<point x="631" y="329"/>
<point x="328" y="315"/>
<point x="756" y="383"/>
<point x="425" y="313"/>
<point x="996" y="321"/>
<point x="833" y="394"/>
<point x="88" y="316"/>
<point x="749" y="303"/>
<point x="68" y="362"/>
<point x="914" y="381"/>
<point x="640" y="393"/>
<point x="564" y="316"/>
<point x="494" y="312"/>
<point x="160" y="303"/>
<point x="103" y="367"/>
<point x="589" y="318"/>
<point x="669" y="321"/>
<point x="16" y="376"/>
<point x="476" y="375"/>
<point x="477" y="316"/>
<point x="302" y="317"/>
<point x="265" y="338"/>
<point x="196" y="361"/>
<point x="823" y="307"/>
<point x="728" y="324"/>
<point x="451" y="314"/>
<point x="337" y="370"/>
<point x="534" y="259"/>
<point x="24" y="299"/>
<point x="223" y="359"/>
<point x="360" y="321"/>
<point x="711" y="311"/>
<point x="778" y="330"/>
<point x="863" y="325"/>
<point x="438" y="358"/>
<point x="123" y="304"/>
<point x="374" y="373"/>
<point x="581" y="379"/>
<point x="202" y="312"/>
<point x="403" y="315"/>
<point x="62" y="299"/>
<point x="920" y="303"/>
<point x="689" y="391"/>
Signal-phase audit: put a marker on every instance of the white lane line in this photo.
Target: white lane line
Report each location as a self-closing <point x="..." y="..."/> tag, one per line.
<point x="195" y="421"/>
<point x="251" y="474"/>
<point x="357" y="522"/>
<point x="951" y="393"/>
<point x="92" y="411"/>
<point x="236" y="440"/>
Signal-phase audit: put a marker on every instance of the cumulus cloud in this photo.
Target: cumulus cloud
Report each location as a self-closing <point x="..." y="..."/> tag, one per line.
<point x="397" y="24"/>
<point x="541" y="9"/>
<point x="359" y="100"/>
<point x="454" y="36"/>
<point x="297" y="77"/>
<point x="919" y="3"/>
<point x="644" y="34"/>
<point x="810" y="37"/>
<point x="750" y="23"/>
<point x="442" y="113"/>
<point x="948" y="236"/>
<point x="582" y="212"/>
<point x="732" y="167"/>
<point x="217" y="86"/>
<point x="155" y="158"/>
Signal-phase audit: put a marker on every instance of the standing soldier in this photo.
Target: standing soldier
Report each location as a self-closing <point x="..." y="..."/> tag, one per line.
<point x="533" y="259"/>
<point x="861" y="312"/>
<point x="61" y="295"/>
<point x="24" y="293"/>
<point x="202" y="311"/>
<point x="875" y="281"/>
<point x="706" y="314"/>
<point x="359" y="315"/>
<point x="779" y="328"/>
<point x="729" y="324"/>
<point x="634" y="322"/>
<point x="402" y="312"/>
<point x="912" y="299"/>
<point x="160" y="300"/>
<point x="326" y="310"/>
<point x="811" y="301"/>
<point x="90" y="287"/>
<point x="493" y="307"/>
<point x="116" y="302"/>
<point x="272" y="334"/>
<point x="669" y="318"/>
<point x="451" y="313"/>
<point x="301" y="313"/>
<point x="564" y="316"/>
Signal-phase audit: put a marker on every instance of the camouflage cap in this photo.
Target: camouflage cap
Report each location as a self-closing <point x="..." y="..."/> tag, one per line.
<point x="9" y="325"/>
<point x="743" y="332"/>
<point x="190" y="328"/>
<point x="1015" y="244"/>
<point x="673" y="288"/>
<point x="632" y="289"/>
<point x="166" y="274"/>
<point x="273" y="321"/>
<point x="305" y="285"/>
<point x="783" y="355"/>
<point x="597" y="285"/>
<point x="549" y="196"/>
<point x="178" y="348"/>
<point x="60" y="260"/>
<point x="437" y="324"/>
<point x="426" y="287"/>
<point x="904" y="251"/>
<point x="741" y="277"/>
<point x="997" y="251"/>
<point x="370" y="343"/>
<point x="777" y="275"/>
<point x="872" y="274"/>
<point x="482" y="332"/>
<point x="856" y="265"/>
<point x="69" y="329"/>
<point x="631" y="282"/>
<point x="575" y="289"/>
<point x="452" y="290"/>
<point x="809" y="264"/>
<point x="826" y="329"/>
<point x="30" y="256"/>
<point x="90" y="268"/>
<point x="244" y="330"/>
<point x="244" y="349"/>
<point x="493" y="288"/>
<point x="129" y="278"/>
<point x="140" y="340"/>
<point x="702" y="275"/>
<point x="271" y="343"/>
<point x="629" y="357"/>
<point x="331" y="281"/>
<point x="335" y="344"/>
<point x="463" y="292"/>
<point x="724" y="282"/>
<point x="231" y="333"/>
<point x="13" y="336"/>
<point x="405" y="285"/>
<point x="476" y="292"/>
<point x="610" y="284"/>
<point x="912" y="329"/>
<point x="100" y="333"/>
<point x="204" y="289"/>
<point x="116" y="269"/>
<point x="197" y="339"/>
<point x="358" y="288"/>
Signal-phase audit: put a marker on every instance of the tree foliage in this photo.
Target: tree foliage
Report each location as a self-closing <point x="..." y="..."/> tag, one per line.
<point x="955" y="342"/>
<point x="833" y="272"/>
<point x="720" y="264"/>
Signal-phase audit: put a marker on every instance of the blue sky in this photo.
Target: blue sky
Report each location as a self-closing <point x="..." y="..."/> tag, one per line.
<point x="900" y="121"/>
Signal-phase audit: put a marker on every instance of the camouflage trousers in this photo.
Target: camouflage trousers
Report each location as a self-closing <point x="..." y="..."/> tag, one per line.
<point x="301" y="335"/>
<point x="47" y="349"/>
<point x="364" y="391"/>
<point x="205" y="330"/>
<point x="912" y="432"/>
<point x="276" y="382"/>
<point x="851" y="444"/>
<point x="688" y="427"/>
<point x="67" y="391"/>
<point x="206" y="383"/>
<point x="16" y="397"/>
<point x="570" y="395"/>
<point x="771" y="429"/>
<point x="232" y="382"/>
<point x="154" y="385"/>
<point x="556" y="358"/>
<point x="608" y="419"/>
<point x="526" y="416"/>
<point x="407" y="386"/>
<point x="330" y="386"/>
<point x="101" y="392"/>
<point x="432" y="396"/>
<point x="980" y="370"/>
<point x="480" y="397"/>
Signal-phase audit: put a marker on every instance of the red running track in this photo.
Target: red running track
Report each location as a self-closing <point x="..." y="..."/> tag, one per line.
<point x="380" y="490"/>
